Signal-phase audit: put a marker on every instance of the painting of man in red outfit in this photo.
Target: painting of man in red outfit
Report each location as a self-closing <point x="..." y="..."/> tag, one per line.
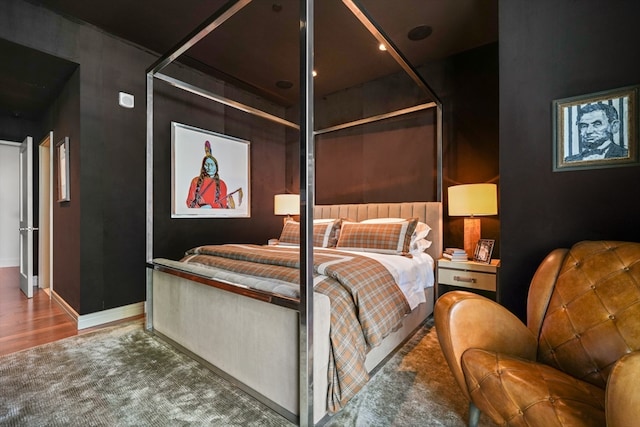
<point x="207" y="194"/>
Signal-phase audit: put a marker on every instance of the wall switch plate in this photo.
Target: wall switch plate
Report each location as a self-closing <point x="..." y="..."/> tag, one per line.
<point x="126" y="100"/>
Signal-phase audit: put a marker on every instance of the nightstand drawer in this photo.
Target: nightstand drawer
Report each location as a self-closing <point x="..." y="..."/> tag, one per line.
<point x="467" y="279"/>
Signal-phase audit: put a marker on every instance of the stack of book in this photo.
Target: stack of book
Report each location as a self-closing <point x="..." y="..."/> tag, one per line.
<point x="455" y="254"/>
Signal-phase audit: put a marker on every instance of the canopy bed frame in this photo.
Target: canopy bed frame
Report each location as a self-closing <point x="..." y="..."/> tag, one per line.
<point x="304" y="312"/>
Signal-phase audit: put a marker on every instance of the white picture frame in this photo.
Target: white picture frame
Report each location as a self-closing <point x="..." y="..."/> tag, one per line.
<point x="62" y="159"/>
<point x="225" y="196"/>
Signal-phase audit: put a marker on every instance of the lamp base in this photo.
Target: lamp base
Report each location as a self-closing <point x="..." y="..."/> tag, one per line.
<point x="471" y="235"/>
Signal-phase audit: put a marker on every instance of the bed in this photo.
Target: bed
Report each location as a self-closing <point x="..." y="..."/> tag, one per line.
<point x="246" y="327"/>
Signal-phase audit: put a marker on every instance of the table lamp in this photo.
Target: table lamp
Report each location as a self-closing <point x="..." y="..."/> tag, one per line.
<point x="471" y="200"/>
<point x="286" y="204"/>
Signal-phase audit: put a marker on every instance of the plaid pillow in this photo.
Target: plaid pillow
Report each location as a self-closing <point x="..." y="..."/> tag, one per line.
<point x="386" y="238"/>
<point x="325" y="233"/>
<point x="419" y="243"/>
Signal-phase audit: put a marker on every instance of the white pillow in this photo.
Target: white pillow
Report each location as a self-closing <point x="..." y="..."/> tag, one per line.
<point x="422" y="230"/>
<point x="419" y="245"/>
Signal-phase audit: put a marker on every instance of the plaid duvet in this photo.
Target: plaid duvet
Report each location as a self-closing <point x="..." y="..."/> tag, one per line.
<point x="366" y="303"/>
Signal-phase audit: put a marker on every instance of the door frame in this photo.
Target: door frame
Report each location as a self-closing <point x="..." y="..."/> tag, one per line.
<point x="45" y="221"/>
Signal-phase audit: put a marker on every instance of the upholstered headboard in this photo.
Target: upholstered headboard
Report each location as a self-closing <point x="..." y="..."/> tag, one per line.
<point x="427" y="212"/>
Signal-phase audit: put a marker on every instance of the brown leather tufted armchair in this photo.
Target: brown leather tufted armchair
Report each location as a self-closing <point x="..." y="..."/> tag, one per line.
<point x="575" y="363"/>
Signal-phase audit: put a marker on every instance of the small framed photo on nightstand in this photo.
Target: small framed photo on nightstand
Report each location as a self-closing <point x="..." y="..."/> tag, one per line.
<point x="484" y="248"/>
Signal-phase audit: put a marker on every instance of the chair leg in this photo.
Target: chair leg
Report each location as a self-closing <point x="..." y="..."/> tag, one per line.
<point x="474" y="415"/>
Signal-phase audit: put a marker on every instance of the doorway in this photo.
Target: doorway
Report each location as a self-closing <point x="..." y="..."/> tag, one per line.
<point x="26" y="322"/>
<point x="9" y="203"/>
<point x="11" y="214"/>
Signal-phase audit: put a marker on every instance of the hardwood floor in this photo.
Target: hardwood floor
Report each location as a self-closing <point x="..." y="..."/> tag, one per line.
<point x="26" y="323"/>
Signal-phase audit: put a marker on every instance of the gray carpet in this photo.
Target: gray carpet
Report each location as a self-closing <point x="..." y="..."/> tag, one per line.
<point x="123" y="376"/>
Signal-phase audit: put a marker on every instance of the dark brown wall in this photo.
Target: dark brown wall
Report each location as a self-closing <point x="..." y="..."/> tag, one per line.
<point x="99" y="236"/>
<point x="384" y="162"/>
<point x="470" y="98"/>
<point x="551" y="50"/>
<point x="172" y="236"/>
<point x="395" y="160"/>
<point x="63" y="117"/>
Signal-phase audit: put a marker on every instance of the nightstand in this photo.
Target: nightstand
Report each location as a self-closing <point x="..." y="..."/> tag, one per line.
<point x="470" y="276"/>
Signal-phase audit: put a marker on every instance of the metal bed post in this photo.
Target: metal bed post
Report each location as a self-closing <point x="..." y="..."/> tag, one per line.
<point x="307" y="170"/>
<point x="439" y="142"/>
<point x="149" y="206"/>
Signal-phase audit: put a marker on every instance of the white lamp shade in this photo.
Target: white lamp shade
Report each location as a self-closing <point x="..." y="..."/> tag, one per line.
<point x="286" y="204"/>
<point x="473" y="200"/>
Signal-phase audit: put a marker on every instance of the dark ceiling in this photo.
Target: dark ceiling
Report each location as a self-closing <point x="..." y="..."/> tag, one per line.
<point x="259" y="46"/>
<point x="29" y="79"/>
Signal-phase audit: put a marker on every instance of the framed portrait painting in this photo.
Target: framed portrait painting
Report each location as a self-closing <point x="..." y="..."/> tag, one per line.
<point x="599" y="130"/>
<point x="484" y="249"/>
<point x="209" y="174"/>
<point x="62" y="158"/>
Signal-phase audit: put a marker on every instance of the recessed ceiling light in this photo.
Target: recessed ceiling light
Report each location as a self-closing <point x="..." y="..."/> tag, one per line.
<point x="382" y="47"/>
<point x="420" y="32"/>
<point x="284" y="84"/>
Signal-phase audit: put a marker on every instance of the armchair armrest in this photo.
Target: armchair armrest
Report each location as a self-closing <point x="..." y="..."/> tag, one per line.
<point x="623" y="392"/>
<point x="465" y="320"/>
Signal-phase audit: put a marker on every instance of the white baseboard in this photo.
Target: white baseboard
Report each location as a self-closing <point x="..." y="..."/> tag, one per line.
<point x="111" y="315"/>
<point x="100" y="317"/>
<point x="9" y="262"/>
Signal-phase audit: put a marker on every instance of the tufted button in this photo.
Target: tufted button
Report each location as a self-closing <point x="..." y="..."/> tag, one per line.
<point x="593" y="287"/>
<point x="612" y="317"/>
<point x="564" y="306"/>
<point x="551" y="399"/>
<point x="520" y="412"/>
<point x="577" y="336"/>
<point x="626" y="269"/>
<point x="578" y="264"/>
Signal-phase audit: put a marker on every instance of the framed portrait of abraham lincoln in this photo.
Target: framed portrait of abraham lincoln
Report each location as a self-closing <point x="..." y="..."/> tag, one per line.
<point x="598" y="130"/>
<point x="209" y="174"/>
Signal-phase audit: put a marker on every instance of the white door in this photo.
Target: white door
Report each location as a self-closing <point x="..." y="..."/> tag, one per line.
<point x="26" y="217"/>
